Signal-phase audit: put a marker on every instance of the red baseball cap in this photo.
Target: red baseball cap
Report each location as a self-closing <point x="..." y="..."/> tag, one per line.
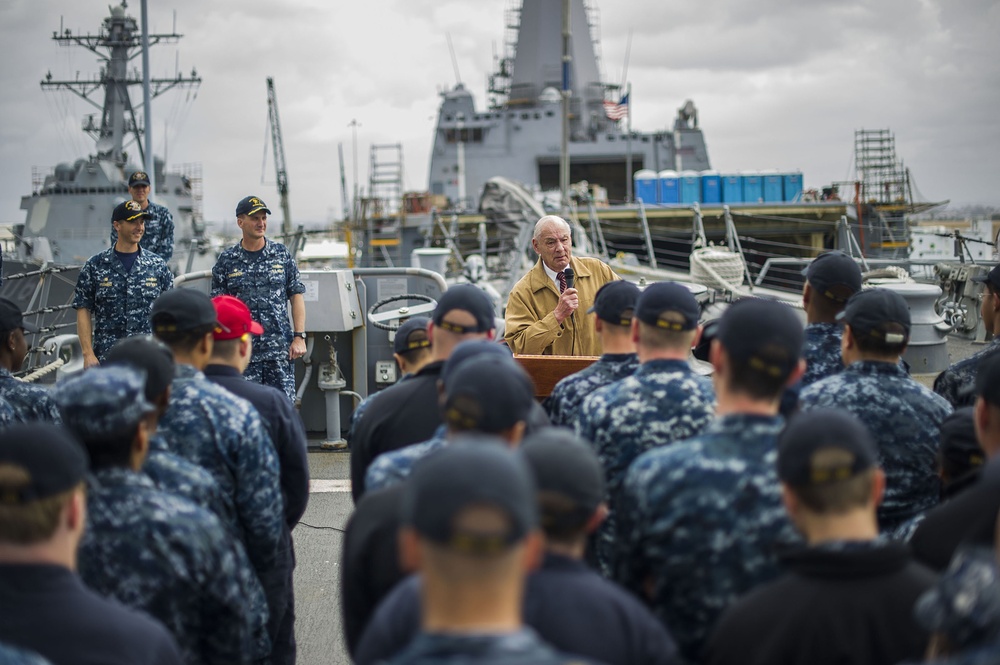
<point x="234" y="319"/>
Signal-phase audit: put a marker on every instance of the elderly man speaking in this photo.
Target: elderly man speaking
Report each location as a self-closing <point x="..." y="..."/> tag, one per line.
<point x="542" y="316"/>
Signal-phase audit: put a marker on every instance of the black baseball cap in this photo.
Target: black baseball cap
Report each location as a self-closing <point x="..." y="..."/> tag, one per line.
<point x="615" y="302"/>
<point x="468" y="298"/>
<point x="988" y="380"/>
<point x="411" y="335"/>
<point x="53" y="459"/>
<point x="881" y="313"/>
<point x="824" y="446"/>
<point x="487" y="394"/>
<point x="959" y="447"/>
<point x="663" y="298"/>
<point x="835" y="275"/>
<point x="129" y="211"/>
<point x="464" y="474"/>
<point x="565" y="464"/>
<point x="182" y="309"/>
<point x="470" y="349"/>
<point x="992" y="278"/>
<point x="249" y="205"/>
<point x="138" y="178"/>
<point x="766" y="335"/>
<point x="149" y="355"/>
<point x="11" y="317"/>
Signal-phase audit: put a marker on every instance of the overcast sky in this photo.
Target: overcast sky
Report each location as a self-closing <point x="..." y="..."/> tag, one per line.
<point x="777" y="83"/>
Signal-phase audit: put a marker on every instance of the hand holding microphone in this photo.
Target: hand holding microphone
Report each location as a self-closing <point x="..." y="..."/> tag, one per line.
<point x="569" y="300"/>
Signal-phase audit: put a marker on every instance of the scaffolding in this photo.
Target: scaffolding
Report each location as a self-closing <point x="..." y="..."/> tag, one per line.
<point x="884" y="179"/>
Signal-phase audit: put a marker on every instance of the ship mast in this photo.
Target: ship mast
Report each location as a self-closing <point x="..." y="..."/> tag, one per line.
<point x="118" y="42"/>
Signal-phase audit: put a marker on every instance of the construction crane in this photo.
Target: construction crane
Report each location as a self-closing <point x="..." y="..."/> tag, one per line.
<point x="279" y="156"/>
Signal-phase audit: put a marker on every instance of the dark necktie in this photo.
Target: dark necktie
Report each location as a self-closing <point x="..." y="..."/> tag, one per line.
<point x="561" y="276"/>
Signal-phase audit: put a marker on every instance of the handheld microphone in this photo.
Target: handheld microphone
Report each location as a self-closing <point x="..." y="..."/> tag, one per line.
<point x="569" y="275"/>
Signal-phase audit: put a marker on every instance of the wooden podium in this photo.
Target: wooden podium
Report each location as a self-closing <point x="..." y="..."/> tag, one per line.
<point x="546" y="371"/>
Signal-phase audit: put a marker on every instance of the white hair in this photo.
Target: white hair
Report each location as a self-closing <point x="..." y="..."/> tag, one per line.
<point x="550" y="220"/>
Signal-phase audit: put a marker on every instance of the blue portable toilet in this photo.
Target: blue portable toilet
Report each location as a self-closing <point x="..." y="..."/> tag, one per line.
<point x="732" y="187"/>
<point x="711" y="187"/>
<point x="753" y="187"/>
<point x="772" y="185"/>
<point x="645" y="186"/>
<point x="690" y="187"/>
<point x="792" y="186"/>
<point x="669" y="187"/>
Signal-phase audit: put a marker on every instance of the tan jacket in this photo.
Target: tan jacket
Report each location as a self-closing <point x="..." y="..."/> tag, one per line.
<point x="531" y="326"/>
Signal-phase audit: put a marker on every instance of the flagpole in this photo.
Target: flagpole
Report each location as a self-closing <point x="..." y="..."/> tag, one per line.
<point x="628" y="152"/>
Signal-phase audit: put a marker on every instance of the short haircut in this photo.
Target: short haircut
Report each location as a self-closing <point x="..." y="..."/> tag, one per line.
<point x="746" y="379"/>
<point x="839" y="496"/>
<point x="660" y="338"/>
<point x="110" y="451"/>
<point x="550" y="220"/>
<point x="826" y="307"/>
<point x="562" y="519"/>
<point x="225" y="348"/>
<point x="30" y="523"/>
<point x="185" y="340"/>
<point x="413" y="355"/>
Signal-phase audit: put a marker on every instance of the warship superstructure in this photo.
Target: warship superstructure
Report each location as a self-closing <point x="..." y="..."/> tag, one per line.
<point x="518" y="135"/>
<point x="68" y="213"/>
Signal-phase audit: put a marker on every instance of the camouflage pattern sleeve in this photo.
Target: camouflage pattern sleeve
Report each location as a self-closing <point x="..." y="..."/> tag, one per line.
<point x="29" y="403"/>
<point x="162" y="242"/>
<point x="293" y="280"/>
<point x="85" y="294"/>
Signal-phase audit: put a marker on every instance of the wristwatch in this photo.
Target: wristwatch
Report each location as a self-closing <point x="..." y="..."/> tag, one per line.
<point x="299" y="334"/>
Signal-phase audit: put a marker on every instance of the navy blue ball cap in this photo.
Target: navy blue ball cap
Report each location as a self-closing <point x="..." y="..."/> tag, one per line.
<point x="964" y="604"/>
<point x="468" y="298"/>
<point x="138" y="178"/>
<point x="472" y="348"/>
<point x="411" y="335"/>
<point x="487" y="394"/>
<point x="565" y="464"/>
<point x="180" y="309"/>
<point x="766" y="335"/>
<point x="834" y="275"/>
<point x="881" y="313"/>
<point x="992" y="278"/>
<point x="11" y="317"/>
<point x="51" y="459"/>
<point x="250" y="205"/>
<point x="129" y="211"/>
<point x="615" y="302"/>
<point x="824" y="446"/>
<point x="149" y="356"/>
<point x="463" y="475"/>
<point x="988" y="380"/>
<point x="668" y="305"/>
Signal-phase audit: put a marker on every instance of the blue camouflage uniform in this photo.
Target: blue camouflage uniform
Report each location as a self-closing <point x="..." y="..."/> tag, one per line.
<point x="964" y="605"/>
<point x="30" y="403"/>
<point x="394" y="466"/>
<point x="158" y="236"/>
<point x="957" y="384"/>
<point x="8" y="416"/>
<point x="519" y="648"/>
<point x="567" y="396"/>
<point x="176" y="475"/>
<point x="119" y="302"/>
<point x="208" y="425"/>
<point x="699" y="524"/>
<point x="905" y="419"/>
<point x="162" y="554"/>
<point x="662" y="402"/>
<point x="264" y="281"/>
<point x="822" y="352"/>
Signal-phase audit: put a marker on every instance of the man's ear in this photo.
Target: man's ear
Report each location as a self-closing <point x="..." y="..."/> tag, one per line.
<point x="409" y="550"/>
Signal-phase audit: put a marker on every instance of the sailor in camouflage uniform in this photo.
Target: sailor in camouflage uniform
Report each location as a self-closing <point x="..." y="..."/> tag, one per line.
<point x="699" y="521"/>
<point x="263" y="275"/>
<point x="831" y="279"/>
<point x="904" y="416"/>
<point x="662" y="402"/>
<point x="208" y="425"/>
<point x="117" y="287"/>
<point x="151" y="550"/>
<point x="485" y="392"/>
<point x="171" y="473"/>
<point x="31" y="403"/>
<point x="159" y="236"/>
<point x="613" y="306"/>
<point x="957" y="383"/>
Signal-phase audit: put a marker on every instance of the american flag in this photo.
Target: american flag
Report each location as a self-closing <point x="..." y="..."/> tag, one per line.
<point x="616" y="110"/>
